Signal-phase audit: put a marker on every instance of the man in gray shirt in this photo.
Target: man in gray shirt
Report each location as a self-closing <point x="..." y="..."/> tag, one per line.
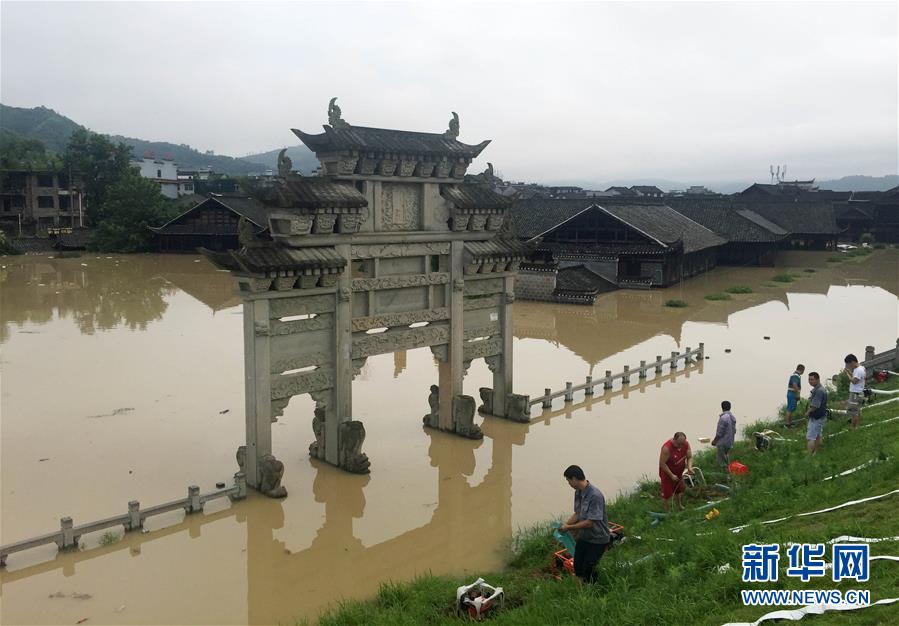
<point x="816" y="413"/>
<point x="589" y="522"/>
<point x="724" y="435"/>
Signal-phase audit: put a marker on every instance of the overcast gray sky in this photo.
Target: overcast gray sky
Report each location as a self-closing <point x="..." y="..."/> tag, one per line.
<point x="694" y="92"/>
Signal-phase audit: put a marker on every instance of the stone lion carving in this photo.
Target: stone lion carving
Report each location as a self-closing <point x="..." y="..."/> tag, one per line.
<point x="351" y="435"/>
<point x="518" y="407"/>
<point x="463" y="418"/>
<point x="317" y="447"/>
<point x="486" y="400"/>
<point x="271" y="470"/>
<point x="432" y="418"/>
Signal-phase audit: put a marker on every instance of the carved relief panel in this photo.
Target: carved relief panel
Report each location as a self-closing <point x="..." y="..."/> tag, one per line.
<point x="401" y="206"/>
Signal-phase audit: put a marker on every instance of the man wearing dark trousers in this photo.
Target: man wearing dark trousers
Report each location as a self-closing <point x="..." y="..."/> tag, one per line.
<point x="589" y="524"/>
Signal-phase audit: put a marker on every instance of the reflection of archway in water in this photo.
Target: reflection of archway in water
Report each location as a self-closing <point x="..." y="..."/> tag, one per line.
<point x="467" y="532"/>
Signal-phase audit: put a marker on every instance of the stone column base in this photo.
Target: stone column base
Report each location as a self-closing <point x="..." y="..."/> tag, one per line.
<point x="518" y="407"/>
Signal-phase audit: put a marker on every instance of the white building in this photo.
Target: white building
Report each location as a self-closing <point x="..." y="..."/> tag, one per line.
<point x="163" y="170"/>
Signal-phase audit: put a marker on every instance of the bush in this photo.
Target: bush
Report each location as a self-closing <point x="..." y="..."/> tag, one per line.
<point x="859" y="252"/>
<point x="6" y="247"/>
<point x="740" y="289"/>
<point x="676" y="304"/>
<point x="108" y="538"/>
<point x="718" y="296"/>
<point x="879" y="246"/>
<point x="783" y="278"/>
<point x="866" y="238"/>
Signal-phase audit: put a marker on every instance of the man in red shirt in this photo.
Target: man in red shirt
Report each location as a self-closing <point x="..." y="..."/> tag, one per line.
<point x="676" y="456"/>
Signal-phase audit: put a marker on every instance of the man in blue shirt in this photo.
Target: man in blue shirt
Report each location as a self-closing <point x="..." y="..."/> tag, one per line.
<point x="589" y="524"/>
<point x="794" y="386"/>
<point x="725" y="433"/>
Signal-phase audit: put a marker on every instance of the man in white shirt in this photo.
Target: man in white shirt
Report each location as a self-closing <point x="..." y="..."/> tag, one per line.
<point x="856" y="374"/>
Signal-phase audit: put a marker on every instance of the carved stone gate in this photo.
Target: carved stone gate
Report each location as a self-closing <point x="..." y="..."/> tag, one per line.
<point x="388" y="249"/>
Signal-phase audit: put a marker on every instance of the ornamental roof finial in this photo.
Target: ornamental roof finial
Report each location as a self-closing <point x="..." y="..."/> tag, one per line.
<point x="453" y="131"/>
<point x="334" y="118"/>
<point x="285" y="165"/>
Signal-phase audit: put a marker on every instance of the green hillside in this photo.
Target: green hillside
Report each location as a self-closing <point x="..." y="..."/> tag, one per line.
<point x="46" y="125"/>
<point x="53" y="130"/>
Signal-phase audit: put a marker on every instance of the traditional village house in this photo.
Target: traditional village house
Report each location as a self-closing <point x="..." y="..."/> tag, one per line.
<point x="647" y="191"/>
<point x="811" y="224"/>
<point x="592" y="246"/>
<point x="211" y="223"/>
<point x="751" y="238"/>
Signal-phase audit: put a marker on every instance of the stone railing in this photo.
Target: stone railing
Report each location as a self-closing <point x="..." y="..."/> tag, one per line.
<point x="68" y="534"/>
<point x="607" y="381"/>
<point x="887" y="358"/>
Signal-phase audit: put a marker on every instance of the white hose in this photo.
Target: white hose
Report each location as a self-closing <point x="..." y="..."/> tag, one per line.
<point x="737" y="529"/>
<point x="884" y="392"/>
<point x="843" y="432"/>
<point x="852" y="470"/>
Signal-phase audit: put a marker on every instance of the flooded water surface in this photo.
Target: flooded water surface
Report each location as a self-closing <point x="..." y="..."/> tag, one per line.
<point x="122" y="379"/>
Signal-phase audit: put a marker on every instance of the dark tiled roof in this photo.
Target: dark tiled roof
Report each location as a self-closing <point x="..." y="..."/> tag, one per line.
<point x="760" y="221"/>
<point x="266" y="259"/>
<point x="474" y="197"/>
<point x="498" y="248"/>
<point x="247" y="207"/>
<point x="580" y="279"/>
<point x="366" y="139"/>
<point x="664" y="224"/>
<point x="624" y="191"/>
<point x="536" y="216"/>
<point x="852" y="210"/>
<point x="314" y="192"/>
<point x="250" y="208"/>
<point x="646" y="189"/>
<point x="800" y="218"/>
<point x="532" y="217"/>
<point x="561" y="250"/>
<point x="725" y="217"/>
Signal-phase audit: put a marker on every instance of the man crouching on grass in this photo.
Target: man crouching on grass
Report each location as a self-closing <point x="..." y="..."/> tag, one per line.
<point x="589" y="524"/>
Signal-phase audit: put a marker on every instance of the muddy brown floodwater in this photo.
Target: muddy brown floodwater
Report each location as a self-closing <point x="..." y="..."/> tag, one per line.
<point x="122" y="378"/>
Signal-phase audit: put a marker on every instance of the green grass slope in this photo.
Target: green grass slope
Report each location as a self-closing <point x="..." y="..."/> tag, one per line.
<point x="671" y="573"/>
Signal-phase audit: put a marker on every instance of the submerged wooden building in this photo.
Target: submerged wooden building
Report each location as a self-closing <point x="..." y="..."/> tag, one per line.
<point x="584" y="247"/>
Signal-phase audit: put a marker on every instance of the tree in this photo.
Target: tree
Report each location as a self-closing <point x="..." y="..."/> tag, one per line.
<point x="100" y="164"/>
<point x="20" y="153"/>
<point x="130" y="205"/>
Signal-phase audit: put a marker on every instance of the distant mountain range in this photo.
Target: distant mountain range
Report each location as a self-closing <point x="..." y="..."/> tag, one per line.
<point x="54" y="130"/>
<point x="846" y="183"/>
